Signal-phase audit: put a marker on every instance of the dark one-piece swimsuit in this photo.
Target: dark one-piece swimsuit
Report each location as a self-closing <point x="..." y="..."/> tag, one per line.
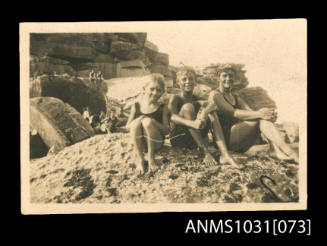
<point x="227" y="120"/>
<point x="156" y="115"/>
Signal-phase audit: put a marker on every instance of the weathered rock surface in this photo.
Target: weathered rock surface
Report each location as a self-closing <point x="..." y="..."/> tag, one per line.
<point x="101" y="169"/>
<point x="257" y="98"/>
<point x="76" y="92"/>
<point x="292" y="131"/>
<point x="57" y="123"/>
<point x="79" y="53"/>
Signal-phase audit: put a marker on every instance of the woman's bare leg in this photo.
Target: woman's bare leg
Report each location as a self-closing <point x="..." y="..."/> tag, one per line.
<point x="136" y="132"/>
<point x="188" y="112"/>
<point x="273" y="135"/>
<point x="243" y="135"/>
<point x="220" y="140"/>
<point x="154" y="140"/>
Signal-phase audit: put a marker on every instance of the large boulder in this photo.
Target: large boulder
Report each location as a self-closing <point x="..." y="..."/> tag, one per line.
<point x="132" y="68"/>
<point x="126" y="55"/>
<point x="125" y="88"/>
<point x="149" y="45"/>
<point x="138" y="38"/>
<point x="292" y="131"/>
<point x="157" y="57"/>
<point x="57" y="123"/>
<point x="73" y="91"/>
<point x="257" y="98"/>
<point x="159" y="68"/>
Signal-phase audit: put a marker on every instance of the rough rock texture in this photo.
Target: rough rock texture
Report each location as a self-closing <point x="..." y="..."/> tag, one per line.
<point x="76" y="92"/>
<point x="48" y="65"/>
<point x="58" y="124"/>
<point x="101" y="169"/>
<point x="257" y="98"/>
<point x="292" y="131"/>
<point x="81" y="52"/>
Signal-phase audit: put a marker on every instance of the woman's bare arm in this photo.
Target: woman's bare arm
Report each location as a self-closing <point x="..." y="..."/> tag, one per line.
<point x="243" y="104"/>
<point x="228" y="109"/>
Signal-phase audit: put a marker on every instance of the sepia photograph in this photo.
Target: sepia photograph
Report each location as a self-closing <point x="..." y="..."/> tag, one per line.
<point x="155" y="116"/>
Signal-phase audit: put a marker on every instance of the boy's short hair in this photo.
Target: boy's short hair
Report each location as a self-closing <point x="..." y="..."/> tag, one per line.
<point x="185" y="70"/>
<point x="156" y="77"/>
<point x="224" y="68"/>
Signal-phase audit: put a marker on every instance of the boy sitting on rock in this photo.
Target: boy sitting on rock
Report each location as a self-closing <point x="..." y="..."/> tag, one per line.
<point x="190" y="130"/>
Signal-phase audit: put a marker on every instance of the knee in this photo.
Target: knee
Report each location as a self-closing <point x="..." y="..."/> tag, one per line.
<point x="147" y="122"/>
<point x="135" y="126"/>
<point x="254" y="123"/>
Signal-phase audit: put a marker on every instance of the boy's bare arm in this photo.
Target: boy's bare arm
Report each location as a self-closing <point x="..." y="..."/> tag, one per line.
<point x="176" y="118"/>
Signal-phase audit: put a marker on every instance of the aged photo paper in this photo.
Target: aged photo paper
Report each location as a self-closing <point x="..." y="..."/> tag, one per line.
<point x="140" y="117"/>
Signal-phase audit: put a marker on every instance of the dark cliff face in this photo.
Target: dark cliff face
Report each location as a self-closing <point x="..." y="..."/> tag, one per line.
<point x="70" y="90"/>
<point x="78" y="53"/>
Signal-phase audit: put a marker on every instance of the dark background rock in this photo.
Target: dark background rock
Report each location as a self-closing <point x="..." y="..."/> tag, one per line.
<point x="37" y="146"/>
<point x="257" y="98"/>
<point x="78" y="53"/>
<point x="57" y="123"/>
<point x="71" y="90"/>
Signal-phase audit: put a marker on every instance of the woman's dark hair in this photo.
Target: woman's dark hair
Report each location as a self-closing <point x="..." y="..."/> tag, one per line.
<point x="225" y="68"/>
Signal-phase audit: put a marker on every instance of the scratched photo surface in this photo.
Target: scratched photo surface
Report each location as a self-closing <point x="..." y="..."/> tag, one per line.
<point x="163" y="116"/>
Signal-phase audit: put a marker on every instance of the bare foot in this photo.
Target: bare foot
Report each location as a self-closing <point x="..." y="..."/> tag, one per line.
<point x="227" y="159"/>
<point x="289" y="155"/>
<point x="293" y="156"/>
<point x="140" y="168"/>
<point x="209" y="160"/>
<point x="153" y="166"/>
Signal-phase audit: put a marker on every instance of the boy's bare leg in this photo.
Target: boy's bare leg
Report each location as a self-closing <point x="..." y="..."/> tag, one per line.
<point x="188" y="112"/>
<point x="137" y="137"/>
<point x="271" y="132"/>
<point x="154" y="140"/>
<point x="225" y="157"/>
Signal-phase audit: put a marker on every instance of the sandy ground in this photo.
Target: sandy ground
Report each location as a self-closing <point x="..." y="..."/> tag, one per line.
<point x="101" y="169"/>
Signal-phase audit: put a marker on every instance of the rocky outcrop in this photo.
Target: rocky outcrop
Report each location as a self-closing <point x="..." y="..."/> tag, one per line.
<point x="79" y="53"/>
<point x="57" y="123"/>
<point x="257" y="98"/>
<point x="76" y="92"/>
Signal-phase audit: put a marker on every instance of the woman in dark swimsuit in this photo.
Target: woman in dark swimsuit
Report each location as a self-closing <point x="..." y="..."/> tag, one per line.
<point x="241" y="125"/>
<point x="148" y="122"/>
